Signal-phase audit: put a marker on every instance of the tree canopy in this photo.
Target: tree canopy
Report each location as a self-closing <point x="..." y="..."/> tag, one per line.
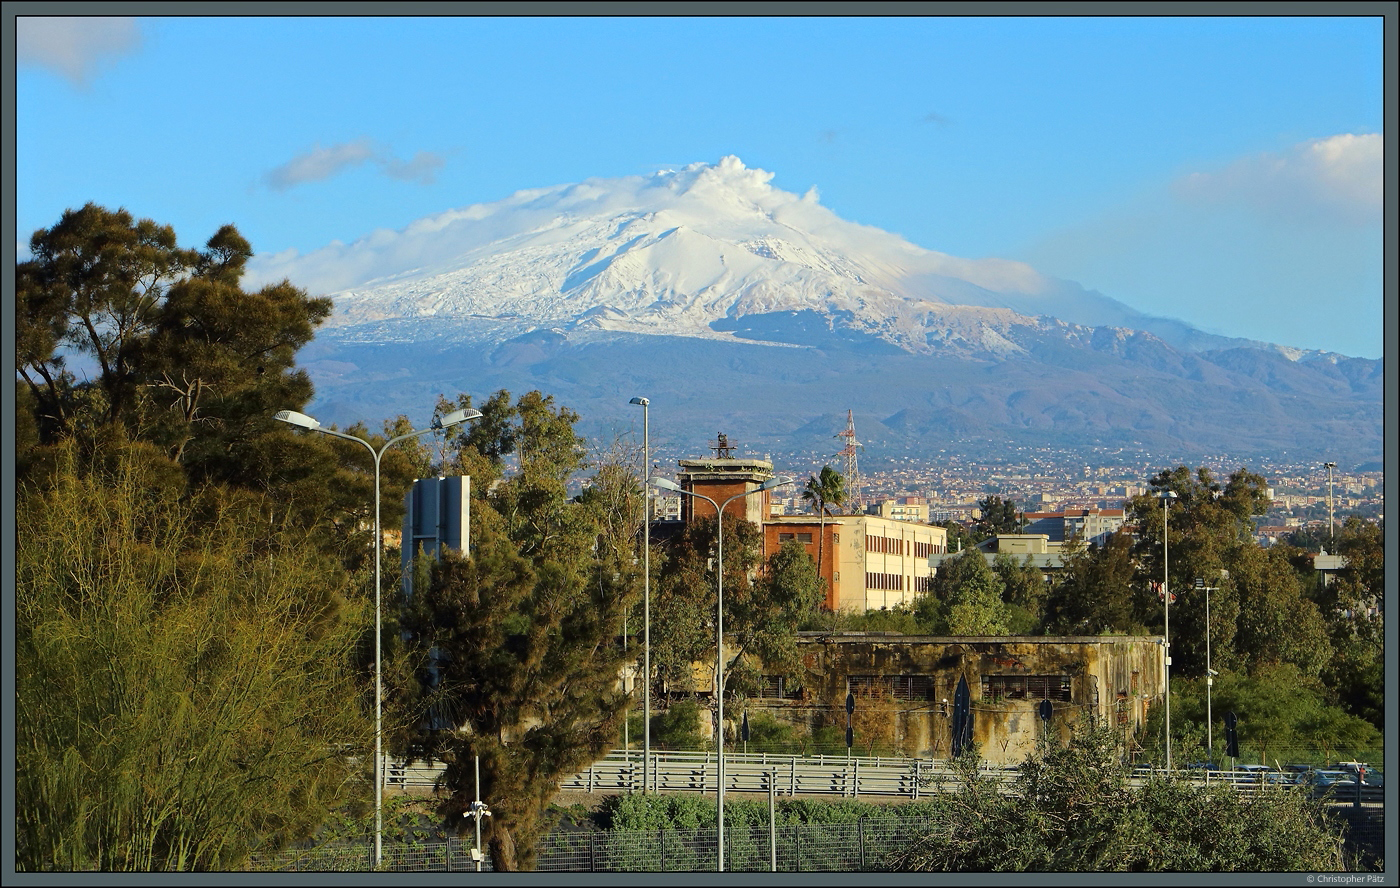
<point x="1073" y="810"/>
<point x="186" y="687"/>
<point x="518" y="641"/>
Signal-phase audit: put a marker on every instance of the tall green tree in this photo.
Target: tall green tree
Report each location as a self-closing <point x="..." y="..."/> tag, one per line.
<point x="1258" y="612"/>
<point x="184" y="357"/>
<point x="1095" y="591"/>
<point x="1352" y="607"/>
<point x="765" y="601"/>
<point x="519" y="640"/>
<point x="95" y="284"/>
<point x="185" y="689"/>
<point x="762" y="613"/>
<point x="998" y="516"/>
<point x="1023" y="591"/>
<point x="970" y="597"/>
<point x="821" y="492"/>
<point x="170" y="349"/>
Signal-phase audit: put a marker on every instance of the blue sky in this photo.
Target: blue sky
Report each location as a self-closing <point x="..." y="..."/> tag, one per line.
<point x="1221" y="170"/>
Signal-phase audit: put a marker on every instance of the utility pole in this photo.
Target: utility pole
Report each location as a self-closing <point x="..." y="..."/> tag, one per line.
<point x="1331" y="525"/>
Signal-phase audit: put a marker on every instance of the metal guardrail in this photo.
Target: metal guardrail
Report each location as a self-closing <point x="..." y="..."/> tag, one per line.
<point x="790" y="775"/>
<point x="758" y="772"/>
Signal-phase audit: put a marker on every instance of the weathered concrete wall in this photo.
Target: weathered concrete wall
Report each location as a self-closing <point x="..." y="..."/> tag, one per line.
<point x="1117" y="678"/>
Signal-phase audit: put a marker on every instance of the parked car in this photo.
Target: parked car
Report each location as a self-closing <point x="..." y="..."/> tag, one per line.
<point x="1369" y="776"/>
<point x="1328" y="777"/>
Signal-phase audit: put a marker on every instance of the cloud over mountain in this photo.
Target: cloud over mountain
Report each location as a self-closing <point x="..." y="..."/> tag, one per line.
<point x="1340" y="176"/>
<point x="697" y="285"/>
<point x="674" y="252"/>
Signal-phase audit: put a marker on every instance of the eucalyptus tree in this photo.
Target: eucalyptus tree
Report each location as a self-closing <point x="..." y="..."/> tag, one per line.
<point x="765" y="602"/>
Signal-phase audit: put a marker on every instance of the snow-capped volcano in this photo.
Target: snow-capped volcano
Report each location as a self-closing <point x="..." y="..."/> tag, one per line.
<point x="733" y="304"/>
<point x="687" y="252"/>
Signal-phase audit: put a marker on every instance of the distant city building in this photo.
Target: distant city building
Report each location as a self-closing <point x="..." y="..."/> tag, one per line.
<point x="1089" y="525"/>
<point x="904" y="508"/>
<point x="1035" y="549"/>
<point x="868" y="561"/>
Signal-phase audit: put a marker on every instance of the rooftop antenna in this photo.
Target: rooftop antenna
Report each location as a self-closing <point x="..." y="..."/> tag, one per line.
<point x="855" y="496"/>
<point x="722" y="447"/>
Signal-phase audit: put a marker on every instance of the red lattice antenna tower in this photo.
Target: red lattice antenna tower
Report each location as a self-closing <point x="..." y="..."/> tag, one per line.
<point x="855" y="496"/>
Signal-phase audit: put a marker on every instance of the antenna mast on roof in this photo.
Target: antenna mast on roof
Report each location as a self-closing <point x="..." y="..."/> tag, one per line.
<point x="722" y="447"/>
<point x="855" y="497"/>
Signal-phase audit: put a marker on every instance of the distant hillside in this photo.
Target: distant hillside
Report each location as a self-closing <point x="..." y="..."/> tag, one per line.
<point x="736" y="306"/>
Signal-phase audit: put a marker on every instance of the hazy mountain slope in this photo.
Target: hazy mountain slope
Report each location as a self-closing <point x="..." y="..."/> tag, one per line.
<point x="738" y="307"/>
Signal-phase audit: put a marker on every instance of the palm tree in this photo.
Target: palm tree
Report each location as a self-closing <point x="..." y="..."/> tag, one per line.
<point x="822" y="491"/>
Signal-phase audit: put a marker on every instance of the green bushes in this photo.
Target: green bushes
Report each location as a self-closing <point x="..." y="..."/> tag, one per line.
<point x="678" y="727"/>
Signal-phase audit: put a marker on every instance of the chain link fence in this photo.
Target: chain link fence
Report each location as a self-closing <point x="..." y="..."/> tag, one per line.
<point x="861" y="846"/>
<point x="865" y="845"/>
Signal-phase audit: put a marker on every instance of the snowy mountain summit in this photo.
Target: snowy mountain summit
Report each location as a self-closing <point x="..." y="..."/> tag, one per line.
<point x="735" y="305"/>
<point x="711" y="251"/>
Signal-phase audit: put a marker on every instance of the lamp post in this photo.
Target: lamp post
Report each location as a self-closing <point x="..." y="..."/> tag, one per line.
<point x="1210" y="673"/>
<point x="1167" y="496"/>
<point x="667" y="484"/>
<point x="646" y="592"/>
<point x="1331" y="524"/>
<point x="302" y="421"/>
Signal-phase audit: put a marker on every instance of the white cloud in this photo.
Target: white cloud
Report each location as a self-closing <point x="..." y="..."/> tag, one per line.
<point x="1336" y="179"/>
<point x="323" y="163"/>
<point x="320" y="163"/>
<point x="422" y="168"/>
<point x="74" y="47"/>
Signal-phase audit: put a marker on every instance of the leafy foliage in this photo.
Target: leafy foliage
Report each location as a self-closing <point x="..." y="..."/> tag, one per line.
<point x="1074" y="811"/>
<point x="1283" y="716"/>
<point x="185" y="358"/>
<point x="1095" y="591"/>
<point x="998" y="516"/>
<point x="764" y="603"/>
<point x="519" y="641"/>
<point x="183" y="686"/>
<point x="968" y="596"/>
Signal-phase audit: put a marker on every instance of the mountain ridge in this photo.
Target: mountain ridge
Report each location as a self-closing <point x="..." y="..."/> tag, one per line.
<point x="771" y="295"/>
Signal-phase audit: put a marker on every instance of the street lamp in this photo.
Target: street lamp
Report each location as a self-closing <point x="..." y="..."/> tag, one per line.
<point x="1210" y="673"/>
<point x="302" y="421"/>
<point x="667" y="484"/>
<point x="1167" y="496"/>
<point x="1331" y="524"/>
<point x="646" y="592"/>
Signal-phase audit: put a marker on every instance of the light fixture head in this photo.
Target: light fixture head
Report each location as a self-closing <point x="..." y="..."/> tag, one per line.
<point x="1167" y="495"/>
<point x="456" y="417"/>
<point x="665" y="484"/>
<point x="643" y="401"/>
<point x="774" y="482"/>
<point x="300" y="420"/>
